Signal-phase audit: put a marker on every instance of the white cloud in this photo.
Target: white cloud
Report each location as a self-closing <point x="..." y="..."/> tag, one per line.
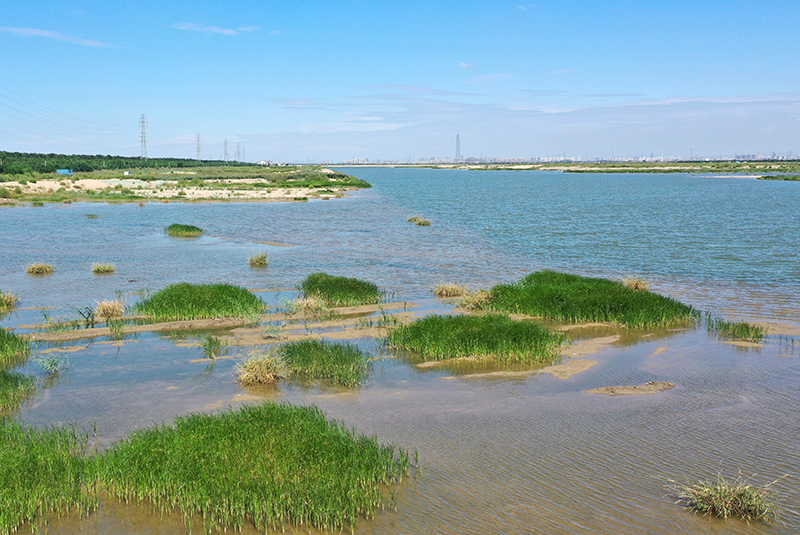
<point x="466" y="65"/>
<point x="189" y="26"/>
<point x="35" y="32"/>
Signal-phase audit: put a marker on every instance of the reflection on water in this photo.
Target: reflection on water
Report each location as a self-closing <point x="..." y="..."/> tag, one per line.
<point x="532" y="454"/>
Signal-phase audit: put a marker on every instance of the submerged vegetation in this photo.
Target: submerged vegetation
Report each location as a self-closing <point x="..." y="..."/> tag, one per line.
<point x="184" y="301"/>
<point x="488" y="337"/>
<point x="573" y="298"/>
<point x="268" y="464"/>
<point x="177" y="230"/>
<point x="719" y="497"/>
<point x="736" y="330"/>
<point x="341" y="291"/>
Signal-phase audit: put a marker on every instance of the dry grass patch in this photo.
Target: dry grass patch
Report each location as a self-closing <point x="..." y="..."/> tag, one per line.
<point x="636" y="283"/>
<point x="724" y="498"/>
<point x="450" y="289"/>
<point x="262" y="367"/>
<point x="109" y="308"/>
<point x="39" y="268"/>
<point x="8" y="301"/>
<point x="103" y="269"/>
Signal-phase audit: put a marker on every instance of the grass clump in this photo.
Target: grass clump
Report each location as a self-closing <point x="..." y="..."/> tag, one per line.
<point x="341" y="291"/>
<point x="184" y="301"/>
<point x="488" y="337"/>
<point x="41" y="471"/>
<point x="15" y="388"/>
<point x="261" y="368"/>
<point x="636" y="283"/>
<point x="736" y="330"/>
<point x="39" y="268"/>
<point x="450" y="289"/>
<point x="268" y="464"/>
<point x="573" y="298"/>
<point x="212" y="346"/>
<point x="108" y="308"/>
<point x="343" y="364"/>
<point x="259" y="260"/>
<point x="183" y="231"/>
<point x="719" y="497"/>
<point x="14" y="349"/>
<point x="7" y="301"/>
<point x="103" y="269"/>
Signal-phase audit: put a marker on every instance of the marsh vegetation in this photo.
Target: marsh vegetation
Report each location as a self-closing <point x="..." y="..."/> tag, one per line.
<point x="336" y="291"/>
<point x="721" y="497"/>
<point x="184" y="301"/>
<point x="39" y="268"/>
<point x="178" y="230"/>
<point x="259" y="260"/>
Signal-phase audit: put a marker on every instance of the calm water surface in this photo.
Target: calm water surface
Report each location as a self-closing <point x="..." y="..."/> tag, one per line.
<point x="533" y="455"/>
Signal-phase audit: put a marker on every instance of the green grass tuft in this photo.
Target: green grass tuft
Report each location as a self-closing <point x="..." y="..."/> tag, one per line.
<point x="42" y="471"/>
<point x="719" y="497"/>
<point x="14" y="349"/>
<point x="183" y="231"/>
<point x="103" y="269"/>
<point x="343" y="364"/>
<point x="184" y="301"/>
<point x="572" y="298"/>
<point x="15" y="388"/>
<point x="736" y="330"/>
<point x="489" y="337"/>
<point x="268" y="464"/>
<point x="341" y="291"/>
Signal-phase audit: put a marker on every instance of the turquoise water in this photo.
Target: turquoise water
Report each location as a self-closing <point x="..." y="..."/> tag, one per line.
<point x="530" y="455"/>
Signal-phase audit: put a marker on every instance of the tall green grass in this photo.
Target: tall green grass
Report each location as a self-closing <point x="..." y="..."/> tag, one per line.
<point x="488" y="337"/>
<point x="14" y="349"/>
<point x="183" y="231"/>
<point x="736" y="330"/>
<point x="567" y="297"/>
<point x="268" y="464"/>
<point x="343" y="364"/>
<point x="184" y="301"/>
<point x="41" y="472"/>
<point x="341" y="291"/>
<point x="15" y="388"/>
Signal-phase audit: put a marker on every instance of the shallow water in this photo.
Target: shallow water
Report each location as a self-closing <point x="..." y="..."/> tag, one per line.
<point x="531" y="455"/>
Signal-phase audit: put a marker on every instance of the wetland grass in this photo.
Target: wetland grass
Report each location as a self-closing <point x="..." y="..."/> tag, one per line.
<point x="41" y="471"/>
<point x="7" y="301"/>
<point x="450" y="289"/>
<point x="636" y="283"/>
<point x="736" y="330"/>
<point x="183" y="231"/>
<point x="259" y="260"/>
<point x="341" y="291"/>
<point x="488" y="337"/>
<point x="184" y="301"/>
<point x="343" y="364"/>
<point x="269" y="464"/>
<point x="109" y="308"/>
<point x="14" y="349"/>
<point x="39" y="268"/>
<point x="573" y="298"/>
<point x="719" y="497"/>
<point x="103" y="269"/>
<point x="15" y="388"/>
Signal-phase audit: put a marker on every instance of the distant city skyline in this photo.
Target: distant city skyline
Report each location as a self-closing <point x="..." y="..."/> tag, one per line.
<point x="341" y="81"/>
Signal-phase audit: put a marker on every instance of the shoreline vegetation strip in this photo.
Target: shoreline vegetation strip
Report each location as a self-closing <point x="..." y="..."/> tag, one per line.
<point x="269" y="464"/>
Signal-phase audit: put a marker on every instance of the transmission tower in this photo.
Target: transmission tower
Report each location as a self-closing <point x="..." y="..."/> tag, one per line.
<point x="198" y="146"/>
<point x="238" y="153"/>
<point x="458" y="147"/>
<point x="143" y="136"/>
<point x="226" y="152"/>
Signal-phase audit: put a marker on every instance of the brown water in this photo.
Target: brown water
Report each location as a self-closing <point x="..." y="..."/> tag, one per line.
<point x="530" y="455"/>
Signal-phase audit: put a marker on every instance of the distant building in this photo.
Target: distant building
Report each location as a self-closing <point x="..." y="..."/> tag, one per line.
<point x="64" y="171"/>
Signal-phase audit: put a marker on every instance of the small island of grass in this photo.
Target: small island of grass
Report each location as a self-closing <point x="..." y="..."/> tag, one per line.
<point x="176" y="230"/>
<point x="340" y="291"/>
<point x="184" y="301"/>
<point x="489" y="337"/>
<point x="573" y="298"/>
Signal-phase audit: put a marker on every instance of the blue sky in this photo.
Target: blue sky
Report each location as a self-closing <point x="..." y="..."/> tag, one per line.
<point x="328" y="81"/>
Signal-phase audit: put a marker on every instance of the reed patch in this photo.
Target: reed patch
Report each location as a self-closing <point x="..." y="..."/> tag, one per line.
<point x="261" y="368"/>
<point x="7" y="301"/>
<point x="720" y="497"/>
<point x="736" y="330"/>
<point x="450" y="289"/>
<point x="259" y="260"/>
<point x="40" y="268"/>
<point x="103" y="269"/>
<point x="488" y="337"/>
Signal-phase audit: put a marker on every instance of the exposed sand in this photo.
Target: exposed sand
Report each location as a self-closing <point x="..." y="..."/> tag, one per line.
<point x="780" y="329"/>
<point x="648" y="388"/>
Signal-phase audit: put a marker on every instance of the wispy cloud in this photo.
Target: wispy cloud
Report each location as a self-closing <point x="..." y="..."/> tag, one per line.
<point x="526" y="7"/>
<point x="36" y="32"/>
<point x="489" y="78"/>
<point x="189" y="26"/>
<point x="466" y="65"/>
